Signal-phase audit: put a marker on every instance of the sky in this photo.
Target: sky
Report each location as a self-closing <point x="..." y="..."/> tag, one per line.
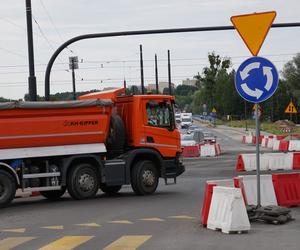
<point x="106" y="62"/>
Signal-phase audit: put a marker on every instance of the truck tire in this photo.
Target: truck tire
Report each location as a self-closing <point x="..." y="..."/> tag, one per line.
<point x="83" y="181"/>
<point x="110" y="190"/>
<point x="54" y="194"/>
<point x="116" y="137"/>
<point x="7" y="188"/>
<point x="144" y="177"/>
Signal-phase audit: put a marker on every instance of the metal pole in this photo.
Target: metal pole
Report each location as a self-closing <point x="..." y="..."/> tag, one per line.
<point x="136" y="33"/>
<point x="257" y="155"/>
<point x="73" y="79"/>
<point x="246" y="116"/>
<point x="31" y="78"/>
<point x="142" y="69"/>
<point x="124" y="83"/>
<point x="169" y="73"/>
<point x="156" y="75"/>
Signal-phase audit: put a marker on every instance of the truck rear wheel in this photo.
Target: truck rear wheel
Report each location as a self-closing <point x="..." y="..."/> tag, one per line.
<point x="83" y="181"/>
<point x="144" y="178"/>
<point x="110" y="190"/>
<point x="7" y="188"/>
<point x="54" y="194"/>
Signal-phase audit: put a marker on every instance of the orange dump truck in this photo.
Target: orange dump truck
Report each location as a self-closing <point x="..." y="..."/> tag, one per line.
<point x="104" y="140"/>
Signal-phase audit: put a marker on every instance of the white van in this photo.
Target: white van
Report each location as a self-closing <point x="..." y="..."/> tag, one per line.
<point x="186" y="119"/>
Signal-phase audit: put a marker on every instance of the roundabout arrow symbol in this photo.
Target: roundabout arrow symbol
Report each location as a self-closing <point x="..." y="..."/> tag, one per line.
<point x="268" y="73"/>
<point x="254" y="93"/>
<point x="245" y="72"/>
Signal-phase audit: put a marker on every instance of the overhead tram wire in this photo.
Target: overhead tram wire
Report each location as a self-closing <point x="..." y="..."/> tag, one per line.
<point x="145" y="60"/>
<point x="53" y="24"/>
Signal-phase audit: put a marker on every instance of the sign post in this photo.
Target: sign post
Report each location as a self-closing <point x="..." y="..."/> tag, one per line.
<point x="256" y="79"/>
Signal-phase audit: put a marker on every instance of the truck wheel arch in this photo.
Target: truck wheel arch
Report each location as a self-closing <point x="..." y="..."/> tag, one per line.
<point x="73" y="160"/>
<point x="142" y="154"/>
<point x="11" y="171"/>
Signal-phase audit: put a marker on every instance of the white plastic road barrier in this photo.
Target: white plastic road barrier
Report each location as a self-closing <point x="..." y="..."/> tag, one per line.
<point x="207" y="150"/>
<point x="222" y="182"/>
<point x="264" y="142"/>
<point x="228" y="211"/>
<point x="276" y="144"/>
<point x="248" y="139"/>
<point x="270" y="143"/>
<point x="250" y="162"/>
<point x="280" y="161"/>
<point x="294" y="145"/>
<point x="268" y="196"/>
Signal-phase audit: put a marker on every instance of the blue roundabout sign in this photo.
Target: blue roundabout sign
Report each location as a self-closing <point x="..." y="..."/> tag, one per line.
<point x="256" y="79"/>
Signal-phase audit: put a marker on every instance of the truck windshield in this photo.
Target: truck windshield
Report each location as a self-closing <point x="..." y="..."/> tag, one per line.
<point x="186" y="120"/>
<point x="159" y="115"/>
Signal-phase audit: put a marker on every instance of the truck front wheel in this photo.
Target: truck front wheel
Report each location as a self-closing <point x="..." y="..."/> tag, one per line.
<point x="83" y="181"/>
<point x="144" y="177"/>
<point x="54" y="194"/>
<point x="7" y="188"/>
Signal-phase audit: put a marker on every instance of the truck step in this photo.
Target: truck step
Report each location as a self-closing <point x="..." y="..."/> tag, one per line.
<point x="35" y="189"/>
<point x="40" y="175"/>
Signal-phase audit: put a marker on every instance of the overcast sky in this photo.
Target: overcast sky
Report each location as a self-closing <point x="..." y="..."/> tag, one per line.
<point x="105" y="62"/>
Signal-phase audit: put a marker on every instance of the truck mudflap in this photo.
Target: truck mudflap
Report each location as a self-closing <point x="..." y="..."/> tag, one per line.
<point x="171" y="169"/>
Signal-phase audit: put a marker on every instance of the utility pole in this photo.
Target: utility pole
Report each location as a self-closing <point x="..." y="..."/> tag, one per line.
<point x="73" y="64"/>
<point x="156" y="75"/>
<point x="31" y="78"/>
<point x="124" y="83"/>
<point x="142" y="69"/>
<point x="169" y="73"/>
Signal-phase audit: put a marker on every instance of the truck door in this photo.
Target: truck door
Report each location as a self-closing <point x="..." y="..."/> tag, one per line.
<point x="159" y="127"/>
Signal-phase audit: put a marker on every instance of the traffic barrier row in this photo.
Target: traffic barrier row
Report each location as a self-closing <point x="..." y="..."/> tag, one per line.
<point x="202" y="150"/>
<point x="269" y="161"/>
<point x="224" y="205"/>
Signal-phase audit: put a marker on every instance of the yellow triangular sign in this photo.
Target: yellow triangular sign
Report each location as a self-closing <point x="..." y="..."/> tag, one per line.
<point x="214" y="110"/>
<point x="253" y="28"/>
<point x="291" y="109"/>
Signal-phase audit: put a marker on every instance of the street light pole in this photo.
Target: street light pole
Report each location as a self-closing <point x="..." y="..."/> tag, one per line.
<point x="142" y="70"/>
<point x="169" y="73"/>
<point x="156" y="75"/>
<point x="31" y="78"/>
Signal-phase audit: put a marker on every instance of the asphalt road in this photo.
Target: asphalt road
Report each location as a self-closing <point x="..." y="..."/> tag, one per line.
<point x="169" y="219"/>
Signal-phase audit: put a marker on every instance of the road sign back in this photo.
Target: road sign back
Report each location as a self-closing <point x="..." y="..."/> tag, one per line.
<point x="253" y="28"/>
<point x="291" y="109"/>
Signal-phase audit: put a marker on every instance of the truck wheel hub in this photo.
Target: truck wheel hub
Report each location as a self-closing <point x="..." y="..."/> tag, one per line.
<point x="148" y="178"/>
<point x="86" y="182"/>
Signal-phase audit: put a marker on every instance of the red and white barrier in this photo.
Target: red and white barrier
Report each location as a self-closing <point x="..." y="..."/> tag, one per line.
<point x="268" y="161"/>
<point x="249" y="186"/>
<point x="284" y="146"/>
<point x="294" y="145"/>
<point x="276" y="144"/>
<point x="208" y="195"/>
<point x="227" y="211"/>
<point x="247" y="162"/>
<point x="287" y="189"/>
<point x="191" y="151"/>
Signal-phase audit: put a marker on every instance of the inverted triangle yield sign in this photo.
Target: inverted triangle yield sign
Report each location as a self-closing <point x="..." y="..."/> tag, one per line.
<point x="253" y="28"/>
